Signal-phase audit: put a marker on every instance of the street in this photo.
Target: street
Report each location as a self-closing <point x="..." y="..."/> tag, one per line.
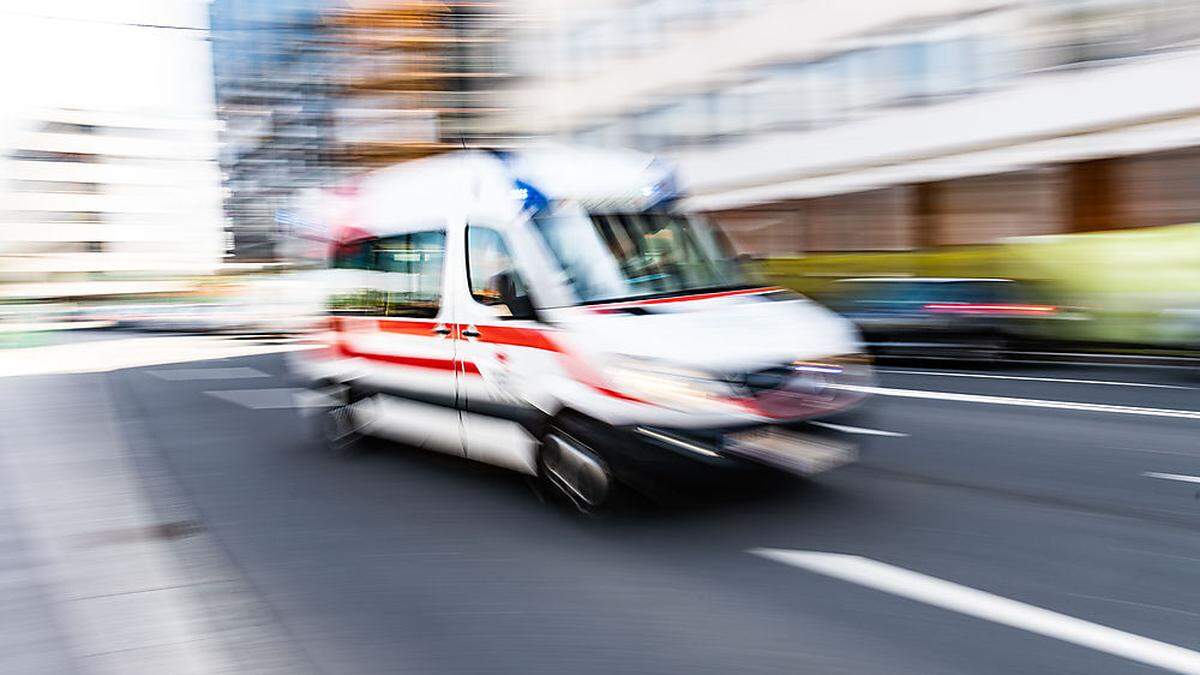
<point x="1061" y="487"/>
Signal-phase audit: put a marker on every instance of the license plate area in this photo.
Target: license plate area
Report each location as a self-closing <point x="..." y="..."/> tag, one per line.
<point x="800" y="453"/>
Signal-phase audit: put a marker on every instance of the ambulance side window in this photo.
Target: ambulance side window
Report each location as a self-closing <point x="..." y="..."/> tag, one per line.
<point x="349" y="294"/>
<point x="492" y="278"/>
<point x="406" y="274"/>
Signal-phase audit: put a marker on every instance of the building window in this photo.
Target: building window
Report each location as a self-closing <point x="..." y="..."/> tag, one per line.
<point x="55" y="186"/>
<point x="25" y="155"/>
<point x="1085" y="31"/>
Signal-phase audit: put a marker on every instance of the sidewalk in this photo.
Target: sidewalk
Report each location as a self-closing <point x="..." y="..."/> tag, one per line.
<point x="106" y="568"/>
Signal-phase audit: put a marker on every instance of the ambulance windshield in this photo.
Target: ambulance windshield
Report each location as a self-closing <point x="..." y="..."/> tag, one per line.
<point x="608" y="257"/>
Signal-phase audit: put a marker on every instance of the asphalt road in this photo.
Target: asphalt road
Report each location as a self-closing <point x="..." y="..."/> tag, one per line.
<point x="401" y="561"/>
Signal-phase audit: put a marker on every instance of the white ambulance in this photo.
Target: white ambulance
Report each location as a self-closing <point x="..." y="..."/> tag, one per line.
<point x="550" y="311"/>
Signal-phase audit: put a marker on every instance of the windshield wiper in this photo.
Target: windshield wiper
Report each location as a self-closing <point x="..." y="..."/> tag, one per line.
<point x="671" y="294"/>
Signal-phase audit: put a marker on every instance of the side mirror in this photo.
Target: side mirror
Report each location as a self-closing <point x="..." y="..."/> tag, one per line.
<point x="514" y="298"/>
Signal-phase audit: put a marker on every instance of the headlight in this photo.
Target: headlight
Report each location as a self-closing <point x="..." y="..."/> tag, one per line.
<point x="834" y="372"/>
<point x="681" y="389"/>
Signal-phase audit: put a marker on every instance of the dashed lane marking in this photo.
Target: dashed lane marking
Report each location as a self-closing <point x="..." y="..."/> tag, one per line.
<point x="272" y="398"/>
<point x="861" y="431"/>
<point x="1172" y="476"/>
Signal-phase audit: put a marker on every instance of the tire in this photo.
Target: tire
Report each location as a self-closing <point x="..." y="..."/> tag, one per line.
<point x="336" y="425"/>
<point x="576" y="475"/>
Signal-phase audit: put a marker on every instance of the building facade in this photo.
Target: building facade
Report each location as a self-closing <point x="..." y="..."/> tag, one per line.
<point x="817" y="126"/>
<point x="312" y="92"/>
<point x="271" y="76"/>
<point x="114" y="197"/>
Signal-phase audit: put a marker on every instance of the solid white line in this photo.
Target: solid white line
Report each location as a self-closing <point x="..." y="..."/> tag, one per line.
<point x="862" y="431"/>
<point x="1035" y="379"/>
<point x="987" y="606"/>
<point x="1026" y="402"/>
<point x="1172" y="476"/>
<point x="1125" y="357"/>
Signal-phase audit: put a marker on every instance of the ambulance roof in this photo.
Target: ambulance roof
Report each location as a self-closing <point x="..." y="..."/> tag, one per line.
<point x="498" y="186"/>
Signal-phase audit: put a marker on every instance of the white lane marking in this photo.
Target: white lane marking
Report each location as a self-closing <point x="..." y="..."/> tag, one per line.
<point x="698" y="449"/>
<point x="1123" y="357"/>
<point x="270" y="399"/>
<point x="180" y="374"/>
<point x="1026" y="378"/>
<point x="987" y="606"/>
<point x="102" y="356"/>
<point x="1026" y="402"/>
<point x="862" y="431"/>
<point x="1172" y="476"/>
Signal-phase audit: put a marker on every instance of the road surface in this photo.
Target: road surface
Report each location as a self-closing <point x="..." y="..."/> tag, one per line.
<point x="1017" y="520"/>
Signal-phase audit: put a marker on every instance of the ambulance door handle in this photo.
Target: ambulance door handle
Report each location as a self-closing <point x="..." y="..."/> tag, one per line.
<point x="442" y="330"/>
<point x="471" y="332"/>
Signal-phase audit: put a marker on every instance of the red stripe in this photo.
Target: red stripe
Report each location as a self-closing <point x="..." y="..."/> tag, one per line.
<point x="613" y="393"/>
<point x="517" y="337"/>
<point x="684" y="298"/>
<point x="406" y="327"/>
<point x="411" y="361"/>
<point x="499" y="335"/>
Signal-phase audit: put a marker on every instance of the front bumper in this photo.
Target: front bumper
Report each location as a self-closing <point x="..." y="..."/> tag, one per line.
<point x="659" y="460"/>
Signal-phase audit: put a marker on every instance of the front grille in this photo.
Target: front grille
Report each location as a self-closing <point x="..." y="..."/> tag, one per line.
<point x="800" y="389"/>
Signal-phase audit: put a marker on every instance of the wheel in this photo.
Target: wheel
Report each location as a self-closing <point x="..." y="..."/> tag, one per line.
<point x="576" y="473"/>
<point x="338" y="425"/>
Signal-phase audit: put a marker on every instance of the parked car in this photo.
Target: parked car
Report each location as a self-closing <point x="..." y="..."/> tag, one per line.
<point x="942" y="317"/>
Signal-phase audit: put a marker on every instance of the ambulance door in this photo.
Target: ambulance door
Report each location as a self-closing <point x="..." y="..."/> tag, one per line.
<point x="501" y="350"/>
<point x="405" y="349"/>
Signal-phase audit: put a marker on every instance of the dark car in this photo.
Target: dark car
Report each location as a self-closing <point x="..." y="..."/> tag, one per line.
<point x="942" y="317"/>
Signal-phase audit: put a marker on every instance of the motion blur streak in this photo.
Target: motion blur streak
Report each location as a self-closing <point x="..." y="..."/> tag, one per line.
<point x="449" y="336"/>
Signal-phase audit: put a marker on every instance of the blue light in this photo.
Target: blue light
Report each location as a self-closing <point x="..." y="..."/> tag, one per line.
<point x="663" y="193"/>
<point x="533" y="199"/>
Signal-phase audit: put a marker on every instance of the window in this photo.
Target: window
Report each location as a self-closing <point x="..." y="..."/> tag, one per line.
<point x="490" y="270"/>
<point x="1086" y="31"/>
<point x="397" y="276"/>
<point x="407" y="273"/>
<point x="624" y="256"/>
<point x="352" y="255"/>
<point x="55" y="186"/>
<point x="50" y="156"/>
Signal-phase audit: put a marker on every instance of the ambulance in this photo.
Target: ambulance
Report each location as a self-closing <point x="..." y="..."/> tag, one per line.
<point x="554" y="312"/>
